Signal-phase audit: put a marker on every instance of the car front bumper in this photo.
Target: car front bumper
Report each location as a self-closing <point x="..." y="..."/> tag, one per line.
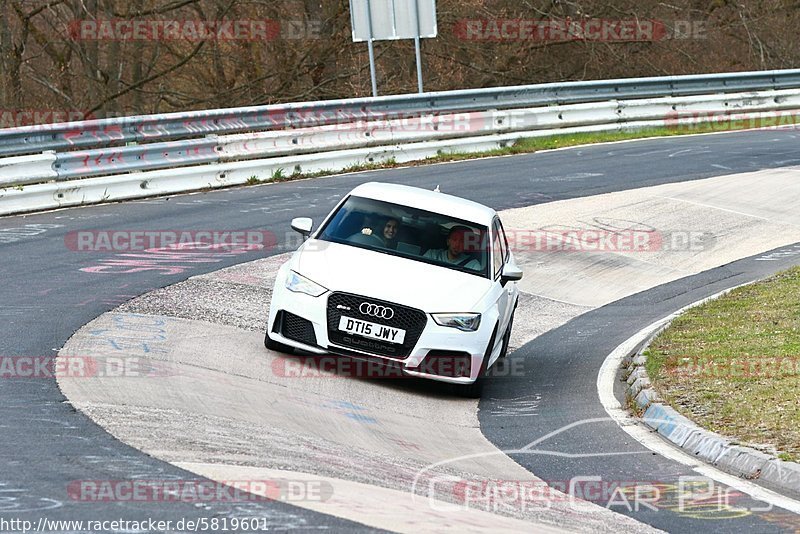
<point x="433" y="340"/>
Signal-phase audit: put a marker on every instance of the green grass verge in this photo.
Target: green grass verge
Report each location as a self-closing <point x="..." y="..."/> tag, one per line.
<point x="534" y="144"/>
<point x="733" y="365"/>
<point x="521" y="146"/>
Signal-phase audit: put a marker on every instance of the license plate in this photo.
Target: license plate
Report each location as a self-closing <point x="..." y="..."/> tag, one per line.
<point x="371" y="330"/>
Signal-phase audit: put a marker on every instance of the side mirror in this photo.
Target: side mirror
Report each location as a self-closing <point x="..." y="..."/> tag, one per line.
<point x="303" y="225"/>
<point x="511" y="273"/>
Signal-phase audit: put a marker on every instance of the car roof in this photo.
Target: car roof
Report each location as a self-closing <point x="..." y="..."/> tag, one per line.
<point x="456" y="207"/>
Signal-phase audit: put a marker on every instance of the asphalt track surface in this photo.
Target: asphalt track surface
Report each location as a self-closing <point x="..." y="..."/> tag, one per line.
<point x="573" y="436"/>
<point x="45" y="444"/>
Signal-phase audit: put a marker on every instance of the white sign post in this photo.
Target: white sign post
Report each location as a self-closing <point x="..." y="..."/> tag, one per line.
<point x="383" y="20"/>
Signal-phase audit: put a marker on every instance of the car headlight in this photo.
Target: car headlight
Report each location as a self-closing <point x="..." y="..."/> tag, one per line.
<point x="467" y="322"/>
<point x="300" y="284"/>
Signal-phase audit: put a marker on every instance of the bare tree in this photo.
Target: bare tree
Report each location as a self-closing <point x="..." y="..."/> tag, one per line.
<point x="44" y="64"/>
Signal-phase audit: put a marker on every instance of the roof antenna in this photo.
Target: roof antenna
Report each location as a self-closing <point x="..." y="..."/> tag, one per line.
<point x="437" y="190"/>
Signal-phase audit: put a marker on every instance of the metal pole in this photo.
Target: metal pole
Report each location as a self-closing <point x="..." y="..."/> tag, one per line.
<point x="418" y="48"/>
<point x="371" y="49"/>
<point x="419" y="63"/>
<point x="372" y="68"/>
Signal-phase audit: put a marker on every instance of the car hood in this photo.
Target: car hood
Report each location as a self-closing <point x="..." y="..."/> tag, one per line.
<point x="391" y="278"/>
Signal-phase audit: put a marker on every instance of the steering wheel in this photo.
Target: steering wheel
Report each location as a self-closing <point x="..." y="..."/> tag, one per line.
<point x="367" y="239"/>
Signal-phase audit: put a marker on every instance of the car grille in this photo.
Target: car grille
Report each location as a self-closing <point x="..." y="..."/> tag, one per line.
<point x="411" y="320"/>
<point x="297" y="329"/>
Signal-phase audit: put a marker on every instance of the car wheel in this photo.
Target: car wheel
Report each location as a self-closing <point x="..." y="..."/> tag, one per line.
<point x="275" y="346"/>
<point x="507" y="337"/>
<point x="475" y="390"/>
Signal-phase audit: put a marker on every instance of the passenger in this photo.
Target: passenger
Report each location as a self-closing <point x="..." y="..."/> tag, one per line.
<point x="459" y="238"/>
<point x="390" y="233"/>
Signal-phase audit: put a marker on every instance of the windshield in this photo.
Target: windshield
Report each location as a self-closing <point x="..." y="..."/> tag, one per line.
<point x="409" y="233"/>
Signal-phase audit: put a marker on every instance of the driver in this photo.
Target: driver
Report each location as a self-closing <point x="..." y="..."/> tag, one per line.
<point x="386" y="236"/>
<point x="459" y="239"/>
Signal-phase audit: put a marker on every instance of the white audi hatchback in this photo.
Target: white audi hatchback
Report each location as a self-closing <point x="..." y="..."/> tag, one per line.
<point x="405" y="276"/>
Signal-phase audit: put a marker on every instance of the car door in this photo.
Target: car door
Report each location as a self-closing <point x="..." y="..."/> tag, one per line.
<point x="505" y="296"/>
<point x="511" y="287"/>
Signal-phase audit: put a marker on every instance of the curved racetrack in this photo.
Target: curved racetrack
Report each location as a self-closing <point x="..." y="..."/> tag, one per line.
<point x="47" y="296"/>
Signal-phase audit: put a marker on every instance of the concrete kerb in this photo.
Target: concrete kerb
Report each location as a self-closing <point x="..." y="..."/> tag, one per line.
<point x="710" y="447"/>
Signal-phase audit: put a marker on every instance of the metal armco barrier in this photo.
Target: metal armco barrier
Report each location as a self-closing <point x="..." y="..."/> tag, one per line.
<point x="151" y="128"/>
<point x="214" y="149"/>
<point x="320" y="140"/>
<point x="22" y="170"/>
<point x="83" y="164"/>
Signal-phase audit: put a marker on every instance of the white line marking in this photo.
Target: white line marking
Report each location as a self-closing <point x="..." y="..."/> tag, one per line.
<point x="679" y="152"/>
<point x="718" y="208"/>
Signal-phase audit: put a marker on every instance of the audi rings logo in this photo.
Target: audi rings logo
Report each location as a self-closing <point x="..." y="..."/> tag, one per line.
<point x="382" y="312"/>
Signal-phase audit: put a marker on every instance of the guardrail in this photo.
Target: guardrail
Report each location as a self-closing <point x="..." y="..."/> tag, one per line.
<point x="170" y="126"/>
<point x="321" y="136"/>
<point x="217" y="149"/>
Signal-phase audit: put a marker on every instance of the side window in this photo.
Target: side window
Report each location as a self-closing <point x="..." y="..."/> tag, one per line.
<point x="498" y="251"/>
<point x="504" y="242"/>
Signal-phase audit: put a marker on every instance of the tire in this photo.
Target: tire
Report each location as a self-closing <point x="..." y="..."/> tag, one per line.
<point x="475" y="390"/>
<point x="507" y="337"/>
<point x="275" y="346"/>
<point x="472" y="391"/>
